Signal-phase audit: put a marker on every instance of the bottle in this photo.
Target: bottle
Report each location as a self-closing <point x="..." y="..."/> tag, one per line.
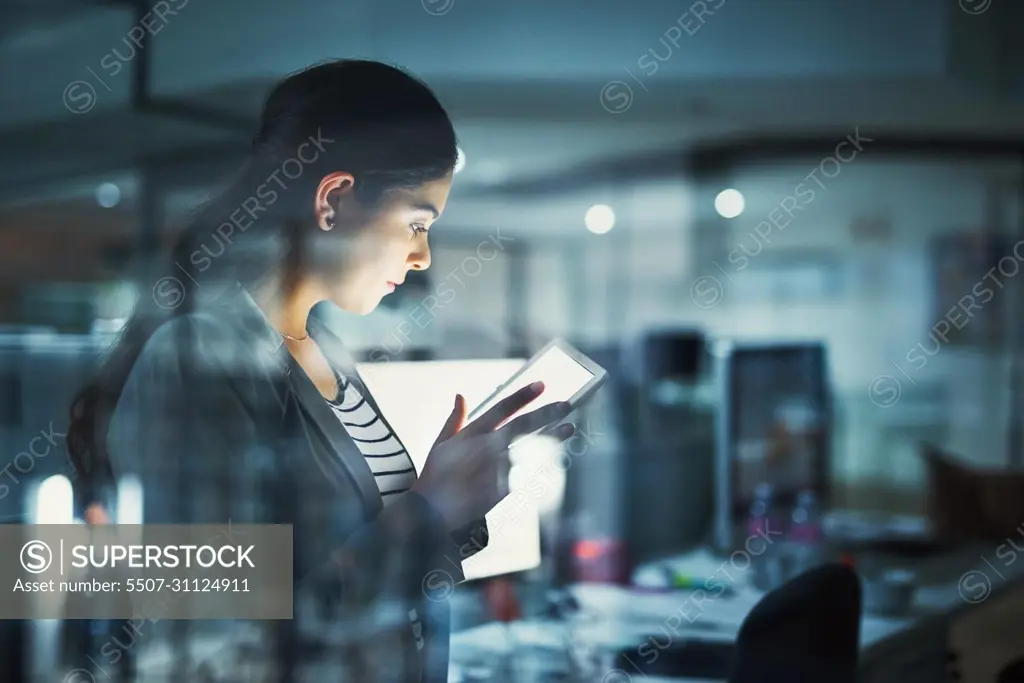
<point x="764" y="565"/>
<point x="804" y="539"/>
<point x="760" y="509"/>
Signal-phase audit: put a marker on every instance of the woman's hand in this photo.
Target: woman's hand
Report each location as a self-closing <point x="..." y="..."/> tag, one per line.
<point x="96" y="515"/>
<point x="466" y="472"/>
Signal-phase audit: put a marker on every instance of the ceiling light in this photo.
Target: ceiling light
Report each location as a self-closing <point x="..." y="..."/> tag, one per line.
<point x="108" y="195"/>
<point x="729" y="203"/>
<point x="599" y="219"/>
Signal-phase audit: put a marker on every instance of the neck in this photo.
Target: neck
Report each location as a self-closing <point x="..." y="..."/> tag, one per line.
<point x="287" y="310"/>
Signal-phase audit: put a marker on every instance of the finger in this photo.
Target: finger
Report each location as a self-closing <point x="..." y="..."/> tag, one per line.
<point x="454" y="422"/>
<point x="506" y="407"/>
<point x="504" y="467"/>
<point x="535" y="420"/>
<point x="560" y="432"/>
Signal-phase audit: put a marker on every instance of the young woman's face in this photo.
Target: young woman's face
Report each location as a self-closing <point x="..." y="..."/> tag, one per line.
<point x="381" y="246"/>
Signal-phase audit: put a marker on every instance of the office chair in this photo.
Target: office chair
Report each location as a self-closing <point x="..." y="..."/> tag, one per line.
<point x="1012" y="672"/>
<point x="805" y="631"/>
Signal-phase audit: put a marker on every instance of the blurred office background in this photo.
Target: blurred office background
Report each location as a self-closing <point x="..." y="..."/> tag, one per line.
<point x="597" y="138"/>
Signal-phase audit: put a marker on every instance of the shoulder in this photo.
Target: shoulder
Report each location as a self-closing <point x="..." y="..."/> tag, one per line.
<point x="187" y="365"/>
<point x="181" y="398"/>
<point x="210" y="343"/>
<point x="190" y="375"/>
<point x="183" y="337"/>
<point x="179" y="362"/>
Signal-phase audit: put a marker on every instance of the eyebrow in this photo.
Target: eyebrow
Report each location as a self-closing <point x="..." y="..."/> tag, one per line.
<point x="426" y="206"/>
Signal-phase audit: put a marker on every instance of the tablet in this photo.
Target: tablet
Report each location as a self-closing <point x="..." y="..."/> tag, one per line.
<point x="416" y="397"/>
<point x="568" y="375"/>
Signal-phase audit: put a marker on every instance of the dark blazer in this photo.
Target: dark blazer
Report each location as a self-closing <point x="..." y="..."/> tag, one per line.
<point x="220" y="423"/>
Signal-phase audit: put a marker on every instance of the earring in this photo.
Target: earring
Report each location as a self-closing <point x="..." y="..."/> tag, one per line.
<point x="330" y="221"/>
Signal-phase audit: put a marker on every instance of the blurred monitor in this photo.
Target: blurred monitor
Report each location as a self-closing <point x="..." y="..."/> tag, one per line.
<point x="673" y="354"/>
<point x="416" y="398"/>
<point x="773" y="426"/>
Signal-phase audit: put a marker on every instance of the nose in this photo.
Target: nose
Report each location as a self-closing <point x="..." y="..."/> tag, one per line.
<point x="419" y="259"/>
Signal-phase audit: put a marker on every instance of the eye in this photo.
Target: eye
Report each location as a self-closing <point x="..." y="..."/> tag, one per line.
<point x="417" y="228"/>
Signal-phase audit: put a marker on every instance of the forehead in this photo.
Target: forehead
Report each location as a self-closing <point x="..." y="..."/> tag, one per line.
<point x="429" y="197"/>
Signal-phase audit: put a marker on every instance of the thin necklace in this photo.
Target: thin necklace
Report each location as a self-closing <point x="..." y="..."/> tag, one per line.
<point x="294" y="339"/>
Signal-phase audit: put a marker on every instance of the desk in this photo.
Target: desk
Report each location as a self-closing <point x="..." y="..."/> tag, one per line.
<point x="894" y="650"/>
<point x="903" y="649"/>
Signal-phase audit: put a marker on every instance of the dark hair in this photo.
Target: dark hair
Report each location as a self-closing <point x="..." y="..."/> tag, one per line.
<point x="372" y="120"/>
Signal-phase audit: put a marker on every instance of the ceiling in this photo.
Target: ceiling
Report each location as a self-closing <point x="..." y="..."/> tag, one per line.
<point x="547" y="124"/>
<point x="20" y="18"/>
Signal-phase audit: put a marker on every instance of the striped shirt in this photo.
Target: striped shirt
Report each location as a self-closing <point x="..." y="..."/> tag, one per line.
<point x="388" y="460"/>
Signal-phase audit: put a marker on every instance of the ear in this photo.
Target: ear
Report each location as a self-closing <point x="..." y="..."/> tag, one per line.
<point x="331" y="195"/>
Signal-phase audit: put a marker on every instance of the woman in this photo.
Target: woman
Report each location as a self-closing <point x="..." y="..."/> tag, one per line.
<point x="228" y="377"/>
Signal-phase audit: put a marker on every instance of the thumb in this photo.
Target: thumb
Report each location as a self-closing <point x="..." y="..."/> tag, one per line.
<point x="455" y="420"/>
